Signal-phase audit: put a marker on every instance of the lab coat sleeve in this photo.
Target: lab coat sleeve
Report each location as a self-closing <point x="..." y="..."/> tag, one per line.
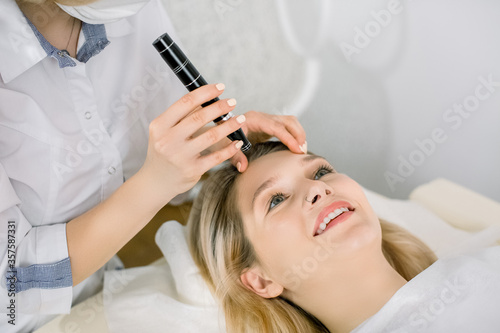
<point x="35" y="266"/>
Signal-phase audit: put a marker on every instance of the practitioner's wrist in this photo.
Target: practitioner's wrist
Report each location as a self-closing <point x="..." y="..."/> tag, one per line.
<point x="155" y="193"/>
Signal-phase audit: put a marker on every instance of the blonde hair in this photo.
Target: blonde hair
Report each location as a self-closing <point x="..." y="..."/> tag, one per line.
<point x="222" y="252"/>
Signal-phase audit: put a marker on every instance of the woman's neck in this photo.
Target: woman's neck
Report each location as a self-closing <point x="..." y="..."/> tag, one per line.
<point x="349" y="296"/>
<point x="59" y="28"/>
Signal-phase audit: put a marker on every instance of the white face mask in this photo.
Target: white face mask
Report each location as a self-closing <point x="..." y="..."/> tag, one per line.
<point x="105" y="11"/>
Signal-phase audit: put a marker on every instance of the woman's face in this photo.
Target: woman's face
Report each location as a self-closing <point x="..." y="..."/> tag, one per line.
<point x="304" y="220"/>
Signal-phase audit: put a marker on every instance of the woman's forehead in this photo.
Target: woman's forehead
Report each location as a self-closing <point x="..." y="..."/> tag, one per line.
<point x="272" y="162"/>
<point x="269" y="164"/>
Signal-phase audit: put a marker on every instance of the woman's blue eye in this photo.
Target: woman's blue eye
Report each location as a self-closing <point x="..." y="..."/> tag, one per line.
<point x="323" y="170"/>
<point x="276" y="200"/>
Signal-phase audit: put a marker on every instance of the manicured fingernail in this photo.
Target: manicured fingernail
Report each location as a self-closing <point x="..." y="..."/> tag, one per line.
<point x="304" y="148"/>
<point x="231" y="102"/>
<point x="239" y="144"/>
<point x="238" y="165"/>
<point x="241" y="119"/>
<point x="220" y="86"/>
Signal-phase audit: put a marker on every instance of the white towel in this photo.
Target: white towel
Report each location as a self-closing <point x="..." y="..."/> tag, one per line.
<point x="170" y="297"/>
<point x="458" y="294"/>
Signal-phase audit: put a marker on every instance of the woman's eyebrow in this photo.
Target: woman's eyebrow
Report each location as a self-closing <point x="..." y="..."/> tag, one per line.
<point x="310" y="158"/>
<point x="264" y="186"/>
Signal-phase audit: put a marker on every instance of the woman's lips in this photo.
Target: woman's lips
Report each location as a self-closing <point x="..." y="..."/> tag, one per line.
<point x="332" y="214"/>
<point x="341" y="218"/>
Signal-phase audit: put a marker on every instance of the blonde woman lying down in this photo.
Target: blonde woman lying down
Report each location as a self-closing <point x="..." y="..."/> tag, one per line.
<point x="291" y="245"/>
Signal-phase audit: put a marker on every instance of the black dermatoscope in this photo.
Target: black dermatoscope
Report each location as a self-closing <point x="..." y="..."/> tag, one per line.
<point x="192" y="79"/>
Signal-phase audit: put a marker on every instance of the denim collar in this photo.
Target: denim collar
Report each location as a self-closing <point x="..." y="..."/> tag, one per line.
<point x="20" y="49"/>
<point x="95" y="42"/>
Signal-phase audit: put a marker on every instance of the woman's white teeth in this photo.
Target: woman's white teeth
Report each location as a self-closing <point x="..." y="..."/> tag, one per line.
<point x="330" y="217"/>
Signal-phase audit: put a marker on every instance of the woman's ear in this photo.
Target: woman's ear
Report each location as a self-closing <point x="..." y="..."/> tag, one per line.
<point x="254" y="279"/>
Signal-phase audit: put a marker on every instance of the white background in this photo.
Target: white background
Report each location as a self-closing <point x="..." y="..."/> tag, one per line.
<point x="365" y="114"/>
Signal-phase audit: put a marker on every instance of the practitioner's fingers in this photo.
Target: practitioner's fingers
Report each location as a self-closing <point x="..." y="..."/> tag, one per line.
<point x="187" y="103"/>
<point x="286" y="128"/>
<point x="217" y="157"/>
<point x="175" y="159"/>
<point x="201" y="117"/>
<point x="293" y="126"/>
<point x="216" y="134"/>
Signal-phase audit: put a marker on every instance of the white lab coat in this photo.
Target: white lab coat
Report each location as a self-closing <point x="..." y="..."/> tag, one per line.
<point x="69" y="138"/>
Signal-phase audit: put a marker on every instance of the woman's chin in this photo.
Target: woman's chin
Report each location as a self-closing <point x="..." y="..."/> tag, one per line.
<point x="351" y="236"/>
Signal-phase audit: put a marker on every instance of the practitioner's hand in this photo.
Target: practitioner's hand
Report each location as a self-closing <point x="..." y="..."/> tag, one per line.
<point x="261" y="126"/>
<point x="174" y="162"/>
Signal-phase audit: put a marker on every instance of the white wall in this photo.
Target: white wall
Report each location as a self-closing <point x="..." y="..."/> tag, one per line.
<point x="364" y="112"/>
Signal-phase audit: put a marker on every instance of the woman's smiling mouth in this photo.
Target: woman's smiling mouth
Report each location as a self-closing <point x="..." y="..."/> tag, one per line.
<point x="335" y="213"/>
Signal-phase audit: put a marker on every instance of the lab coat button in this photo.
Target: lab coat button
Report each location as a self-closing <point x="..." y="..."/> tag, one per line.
<point x="88" y="115"/>
<point x="111" y="170"/>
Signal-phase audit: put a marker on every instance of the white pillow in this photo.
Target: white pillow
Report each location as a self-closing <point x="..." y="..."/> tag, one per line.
<point x="439" y="235"/>
<point x="459" y="206"/>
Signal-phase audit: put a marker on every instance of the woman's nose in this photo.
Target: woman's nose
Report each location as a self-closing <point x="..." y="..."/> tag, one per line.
<point x="317" y="192"/>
